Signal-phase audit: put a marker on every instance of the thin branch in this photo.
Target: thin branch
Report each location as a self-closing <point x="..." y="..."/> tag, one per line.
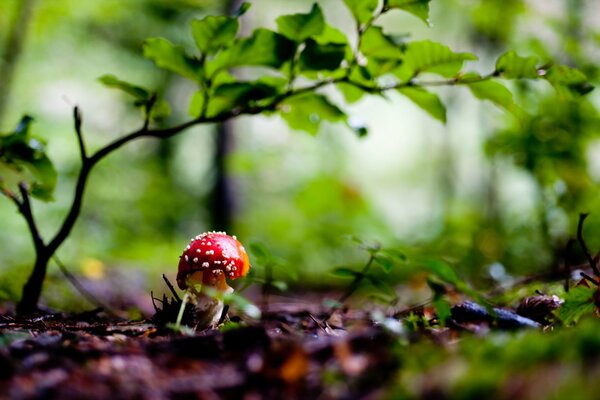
<point x="13" y="197"/>
<point x="25" y="209"/>
<point x="77" y="119"/>
<point x="171" y="288"/>
<point x="148" y="110"/>
<point x="81" y="289"/>
<point x="589" y="278"/>
<point x="357" y="280"/>
<point x="584" y="248"/>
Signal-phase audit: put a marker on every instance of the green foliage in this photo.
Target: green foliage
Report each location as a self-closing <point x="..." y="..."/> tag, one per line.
<point x="436" y="58"/>
<point x="23" y="159"/>
<point x="428" y="101"/>
<point x="494" y="92"/>
<point x="213" y="33"/>
<point x="306" y="44"/>
<point x="300" y="27"/>
<point x="262" y="48"/>
<point x="512" y="66"/>
<point x="568" y="80"/>
<point x="172" y="58"/>
<point x="419" y="8"/>
<point x="579" y="301"/>
<point x="362" y="10"/>
<point x="318" y="57"/>
<point x="159" y="108"/>
<point x="307" y="111"/>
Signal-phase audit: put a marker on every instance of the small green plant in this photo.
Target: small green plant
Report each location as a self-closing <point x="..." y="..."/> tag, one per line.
<point x="303" y="56"/>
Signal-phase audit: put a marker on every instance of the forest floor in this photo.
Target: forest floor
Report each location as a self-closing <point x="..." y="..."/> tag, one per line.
<point x="299" y="352"/>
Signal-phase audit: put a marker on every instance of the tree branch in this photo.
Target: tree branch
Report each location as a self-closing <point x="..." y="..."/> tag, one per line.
<point x="77" y="118"/>
<point x="25" y="209"/>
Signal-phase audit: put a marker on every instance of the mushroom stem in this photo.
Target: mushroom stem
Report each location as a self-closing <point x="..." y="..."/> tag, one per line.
<point x="208" y="289"/>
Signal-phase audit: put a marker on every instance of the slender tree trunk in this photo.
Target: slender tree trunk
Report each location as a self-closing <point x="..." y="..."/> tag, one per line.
<point x="33" y="288"/>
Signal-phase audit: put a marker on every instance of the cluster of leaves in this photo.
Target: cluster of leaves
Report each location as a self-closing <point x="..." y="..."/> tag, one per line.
<point x="441" y="278"/>
<point x="23" y="159"/>
<point x="306" y="46"/>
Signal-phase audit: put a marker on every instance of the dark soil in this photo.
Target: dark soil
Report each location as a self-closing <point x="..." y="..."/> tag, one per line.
<point x="288" y="354"/>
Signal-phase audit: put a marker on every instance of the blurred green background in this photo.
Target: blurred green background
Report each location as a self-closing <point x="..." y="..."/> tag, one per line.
<point x="494" y="197"/>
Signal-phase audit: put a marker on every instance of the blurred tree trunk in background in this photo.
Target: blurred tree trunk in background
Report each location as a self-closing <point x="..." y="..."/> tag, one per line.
<point x="15" y="39"/>
<point x="221" y="200"/>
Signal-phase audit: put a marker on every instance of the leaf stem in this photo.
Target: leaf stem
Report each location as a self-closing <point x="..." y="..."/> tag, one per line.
<point x="357" y="280"/>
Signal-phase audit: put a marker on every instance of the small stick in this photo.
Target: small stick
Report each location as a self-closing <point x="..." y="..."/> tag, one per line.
<point x="223" y="314"/>
<point x="589" y="278"/>
<point x="171" y="288"/>
<point x="82" y="290"/>
<point x="77" y="120"/>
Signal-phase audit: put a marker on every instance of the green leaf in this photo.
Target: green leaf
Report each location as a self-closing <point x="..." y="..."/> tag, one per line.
<point x="442" y="309"/>
<point x="23" y="159"/>
<point x="196" y="104"/>
<point x="382" y="287"/>
<point x="160" y="110"/>
<point x="263" y="48"/>
<point x="568" y="80"/>
<point x="430" y="102"/>
<point x="579" y="301"/>
<point x="172" y="58"/>
<point x="362" y="10"/>
<point x="419" y="8"/>
<point x="305" y="112"/>
<point x="350" y="92"/>
<point x="261" y="252"/>
<point x="495" y="92"/>
<point x="344" y="272"/>
<point x="316" y="57"/>
<point x="299" y="27"/>
<point x="228" y="96"/>
<point x="242" y="10"/>
<point x="331" y="35"/>
<point x="512" y="66"/>
<point x="432" y="57"/>
<point x="385" y="262"/>
<point x="214" y="32"/>
<point x="377" y="44"/>
<point x="129" y="88"/>
<point x="442" y="270"/>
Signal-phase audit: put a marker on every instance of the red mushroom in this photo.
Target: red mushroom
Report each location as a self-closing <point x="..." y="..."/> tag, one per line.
<point x="207" y="261"/>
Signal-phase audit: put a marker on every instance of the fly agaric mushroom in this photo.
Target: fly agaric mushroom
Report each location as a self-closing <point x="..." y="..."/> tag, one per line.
<point x="206" y="262"/>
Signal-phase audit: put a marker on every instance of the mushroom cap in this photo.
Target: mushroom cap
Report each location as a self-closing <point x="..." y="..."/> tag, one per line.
<point x="213" y="252"/>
